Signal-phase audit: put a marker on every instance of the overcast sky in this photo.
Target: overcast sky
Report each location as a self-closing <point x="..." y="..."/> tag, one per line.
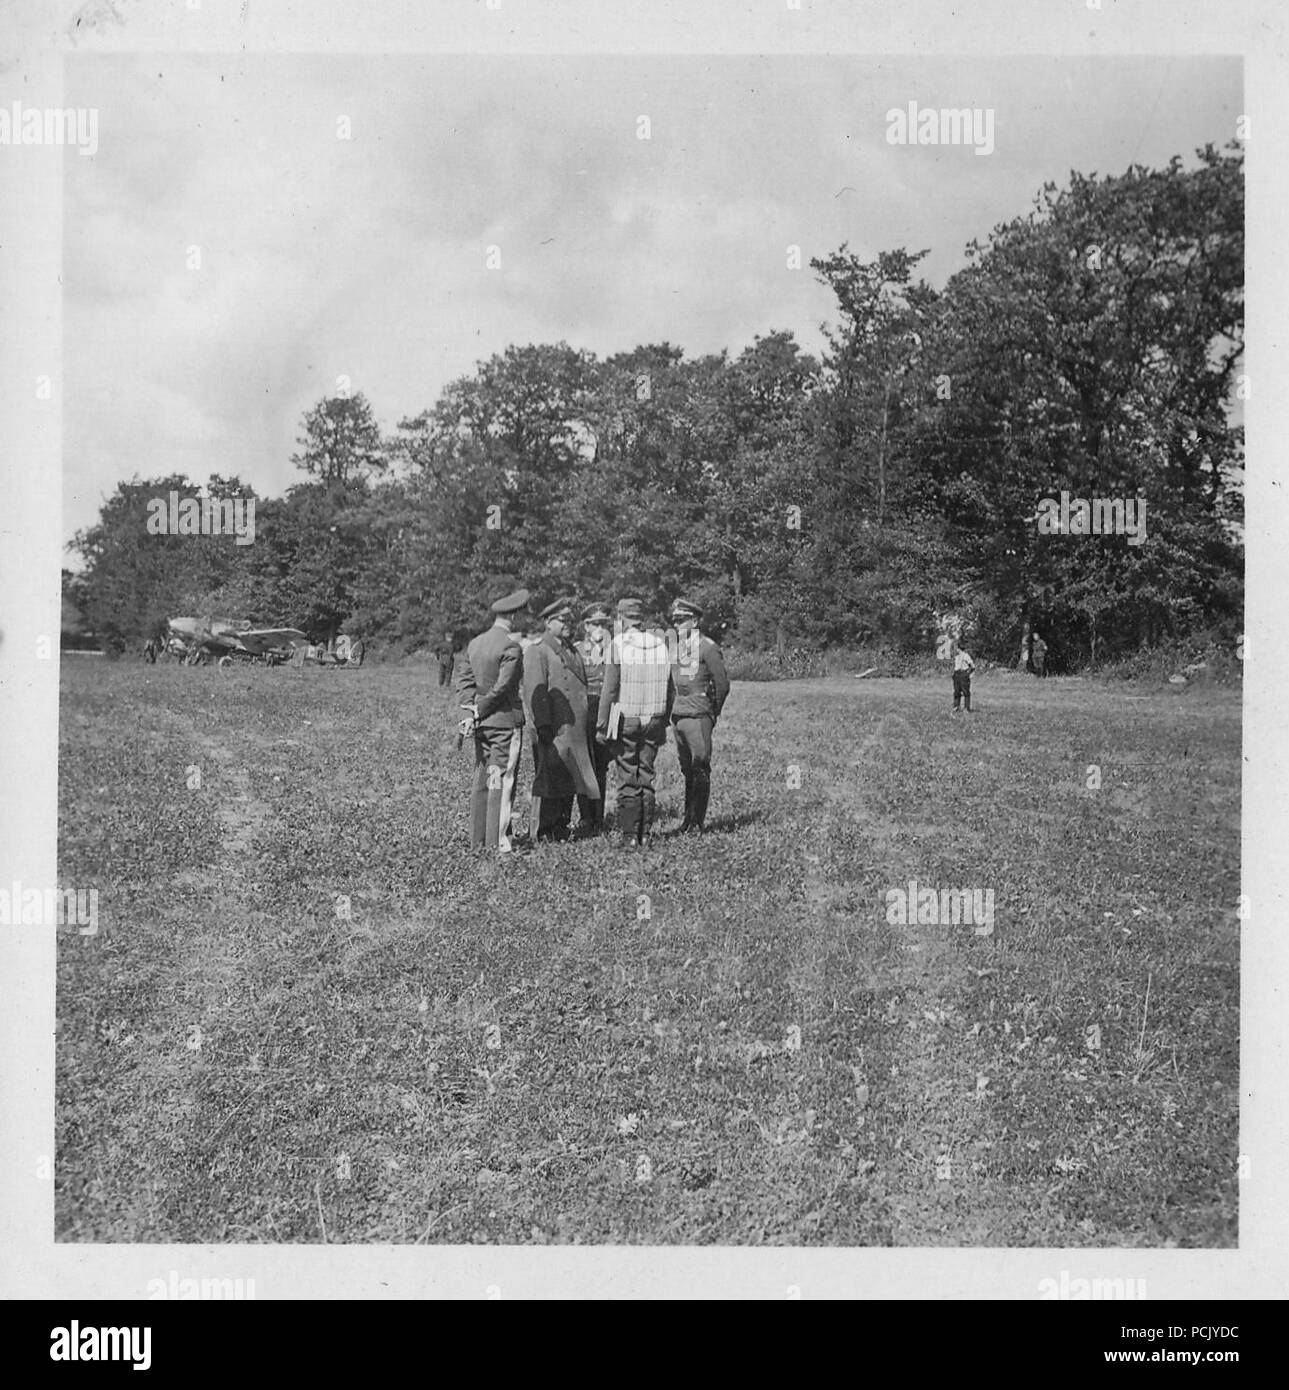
<point x="368" y="257"/>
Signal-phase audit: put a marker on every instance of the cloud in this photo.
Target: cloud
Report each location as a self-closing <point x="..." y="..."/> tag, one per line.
<point x="367" y="256"/>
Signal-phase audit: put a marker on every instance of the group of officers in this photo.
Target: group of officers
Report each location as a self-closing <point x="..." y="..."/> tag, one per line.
<point x="606" y="696"/>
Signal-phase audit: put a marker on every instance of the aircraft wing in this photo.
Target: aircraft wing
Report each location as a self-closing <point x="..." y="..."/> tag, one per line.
<point x="265" y="639"/>
<point x="209" y="631"/>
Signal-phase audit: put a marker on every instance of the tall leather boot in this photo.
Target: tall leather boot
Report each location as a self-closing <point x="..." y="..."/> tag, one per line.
<point x="629" y="811"/>
<point x="702" y="792"/>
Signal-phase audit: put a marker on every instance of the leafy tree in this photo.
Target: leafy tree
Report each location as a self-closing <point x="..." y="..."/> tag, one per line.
<point x="341" y="443"/>
<point x="308" y="556"/>
<point x="1092" y="346"/>
<point x="871" y="365"/>
<point x="134" y="579"/>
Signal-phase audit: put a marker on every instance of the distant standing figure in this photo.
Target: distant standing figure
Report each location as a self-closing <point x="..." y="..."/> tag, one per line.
<point x="444" y="654"/>
<point x="1039" y="655"/>
<point x="150" y="651"/>
<point x="701" y="690"/>
<point x="963" y="666"/>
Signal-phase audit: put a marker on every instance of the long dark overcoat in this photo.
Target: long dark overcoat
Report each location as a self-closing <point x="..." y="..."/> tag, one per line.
<point x="555" y="689"/>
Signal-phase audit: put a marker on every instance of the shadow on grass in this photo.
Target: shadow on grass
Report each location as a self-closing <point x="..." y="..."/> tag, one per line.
<point x="722" y="825"/>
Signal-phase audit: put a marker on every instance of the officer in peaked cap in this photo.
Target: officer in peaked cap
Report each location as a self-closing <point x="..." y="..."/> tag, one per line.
<point x="698" y="670"/>
<point x="489" y="682"/>
<point x="512" y="602"/>
<point x="597" y="634"/>
<point x="556" y="691"/>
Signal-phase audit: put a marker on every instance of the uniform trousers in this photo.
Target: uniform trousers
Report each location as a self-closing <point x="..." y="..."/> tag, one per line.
<point x="637" y="750"/>
<point x="962" y="689"/>
<point x="496" y="761"/>
<point x="694" y="749"/>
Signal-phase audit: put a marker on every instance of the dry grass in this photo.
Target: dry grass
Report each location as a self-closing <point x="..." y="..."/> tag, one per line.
<point x="516" y="1052"/>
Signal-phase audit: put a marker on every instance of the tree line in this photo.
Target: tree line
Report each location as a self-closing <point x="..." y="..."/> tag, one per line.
<point x="1092" y="346"/>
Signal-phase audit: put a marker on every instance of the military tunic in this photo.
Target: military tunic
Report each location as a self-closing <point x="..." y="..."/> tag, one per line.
<point x="490" y="676"/>
<point x="701" y="691"/>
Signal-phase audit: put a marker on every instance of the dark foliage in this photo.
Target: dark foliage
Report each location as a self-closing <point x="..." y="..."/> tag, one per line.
<point x="1091" y="348"/>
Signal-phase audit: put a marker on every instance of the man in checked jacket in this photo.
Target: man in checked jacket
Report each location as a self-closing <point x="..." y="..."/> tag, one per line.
<point x="701" y="690"/>
<point x="637" y="682"/>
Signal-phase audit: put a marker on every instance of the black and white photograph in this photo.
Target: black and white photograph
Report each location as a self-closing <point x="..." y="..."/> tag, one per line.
<point x="651" y="653"/>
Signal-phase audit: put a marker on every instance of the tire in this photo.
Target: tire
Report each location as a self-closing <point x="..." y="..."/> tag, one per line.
<point x="224" y="662"/>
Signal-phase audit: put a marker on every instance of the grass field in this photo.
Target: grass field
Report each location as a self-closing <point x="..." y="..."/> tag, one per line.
<point x="719" y="1040"/>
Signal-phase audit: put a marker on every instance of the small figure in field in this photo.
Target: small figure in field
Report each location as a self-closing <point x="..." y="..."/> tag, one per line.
<point x="1038" y="656"/>
<point x="963" y="666"/>
<point x="445" y="656"/>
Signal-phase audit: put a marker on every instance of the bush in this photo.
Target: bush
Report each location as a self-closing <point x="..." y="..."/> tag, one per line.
<point x="888" y="660"/>
<point x="797" y="663"/>
<point x="801" y="663"/>
<point x="1217" y="651"/>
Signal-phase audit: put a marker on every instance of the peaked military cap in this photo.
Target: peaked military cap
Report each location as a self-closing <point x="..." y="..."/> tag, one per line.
<point x="684" y="608"/>
<point x="560" y="608"/>
<point x="512" y="603"/>
<point x="630" y="608"/>
<point x="597" y="613"/>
